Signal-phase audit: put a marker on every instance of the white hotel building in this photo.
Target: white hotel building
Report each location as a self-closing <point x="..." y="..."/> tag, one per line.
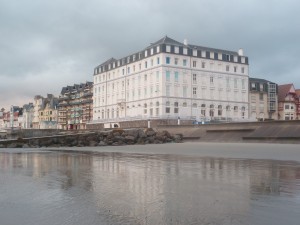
<point x="170" y="80"/>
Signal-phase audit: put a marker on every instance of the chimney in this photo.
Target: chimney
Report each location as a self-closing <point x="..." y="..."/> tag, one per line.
<point x="185" y="41"/>
<point x="241" y="52"/>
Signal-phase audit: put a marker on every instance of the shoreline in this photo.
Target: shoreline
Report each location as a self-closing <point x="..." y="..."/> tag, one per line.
<point x="288" y="152"/>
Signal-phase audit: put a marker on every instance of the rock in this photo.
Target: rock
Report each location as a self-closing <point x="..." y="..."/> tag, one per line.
<point x="93" y="143"/>
<point x="12" y="145"/>
<point x="25" y="146"/>
<point x="102" y="143"/>
<point x="132" y="132"/>
<point x="141" y="133"/>
<point x="150" y="132"/>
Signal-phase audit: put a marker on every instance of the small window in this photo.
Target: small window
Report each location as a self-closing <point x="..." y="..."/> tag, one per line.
<point x="167" y="60"/>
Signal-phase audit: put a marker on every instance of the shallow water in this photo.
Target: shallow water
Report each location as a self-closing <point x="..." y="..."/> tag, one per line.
<point x="39" y="187"/>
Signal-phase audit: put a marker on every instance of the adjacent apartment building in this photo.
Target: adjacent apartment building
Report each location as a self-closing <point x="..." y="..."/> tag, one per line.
<point x="171" y="80"/>
<point x="45" y="112"/>
<point x="263" y="96"/>
<point x="75" y="108"/>
<point x="288" y="103"/>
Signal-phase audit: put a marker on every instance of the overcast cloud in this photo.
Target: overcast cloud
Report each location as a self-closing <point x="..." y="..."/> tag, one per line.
<point x="45" y="45"/>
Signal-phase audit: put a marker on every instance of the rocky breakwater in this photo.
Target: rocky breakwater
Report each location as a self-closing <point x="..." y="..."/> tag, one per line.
<point x="102" y="138"/>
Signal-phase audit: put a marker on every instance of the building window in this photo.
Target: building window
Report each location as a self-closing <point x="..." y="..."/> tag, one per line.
<point x="194" y="91"/>
<point x="211" y="80"/>
<point x="194" y="52"/>
<point x="227" y="82"/>
<point x="235" y="83"/>
<point x="145" y="108"/>
<point x="168" y="90"/>
<point x="184" y="62"/>
<point x="167" y="60"/>
<point x="261" y="96"/>
<point x="219" y="110"/>
<point x="194" y="63"/>
<point x="227" y="68"/>
<point x="176" y="109"/>
<point x="146" y="65"/>
<point x="185" y="51"/>
<point x="176" y="61"/>
<point x="243" y="83"/>
<point x="167" y="107"/>
<point x="286" y="106"/>
<point x="176" y="49"/>
<point x="211" y="110"/>
<point x="234" y="69"/>
<point x="243" y="70"/>
<point x="168" y="48"/>
<point x="168" y="76"/>
<point x="184" y="104"/>
<point x="203" y="64"/>
<point x="203" y="110"/>
<point x="194" y="78"/>
<point x="184" y="91"/>
<point x="176" y="76"/>
<point x="158" y="60"/>
<point x="145" y="77"/>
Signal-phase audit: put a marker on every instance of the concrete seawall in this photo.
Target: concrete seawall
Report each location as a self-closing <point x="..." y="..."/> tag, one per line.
<point x="274" y="131"/>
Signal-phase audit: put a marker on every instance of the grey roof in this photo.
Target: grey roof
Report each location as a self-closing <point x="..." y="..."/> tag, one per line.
<point x="76" y="87"/>
<point x="28" y="106"/>
<point x="258" y="80"/>
<point x="108" y="61"/>
<point x="169" y="41"/>
<point x="166" y="40"/>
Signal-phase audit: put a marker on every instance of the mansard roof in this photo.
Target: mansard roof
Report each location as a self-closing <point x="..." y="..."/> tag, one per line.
<point x="284" y="90"/>
<point x="259" y="80"/>
<point x="76" y="87"/>
<point x="168" y="41"/>
<point x="165" y="40"/>
<point x="111" y="60"/>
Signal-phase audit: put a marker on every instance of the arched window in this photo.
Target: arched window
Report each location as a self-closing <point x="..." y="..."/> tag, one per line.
<point x="176" y="109"/>
<point x="219" y="110"/>
<point x="184" y="104"/>
<point x="167" y="107"/>
<point x="235" y="108"/>
<point x="203" y="106"/>
<point x="228" y="108"/>
<point x="211" y="110"/>
<point x="194" y="105"/>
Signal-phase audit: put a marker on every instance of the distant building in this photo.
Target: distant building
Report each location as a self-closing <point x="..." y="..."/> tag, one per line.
<point x="75" y="106"/>
<point x="263" y="95"/>
<point x="288" y="102"/>
<point x="48" y="115"/>
<point x="11" y="118"/>
<point x="28" y="115"/>
<point x="45" y="112"/>
<point x="170" y="79"/>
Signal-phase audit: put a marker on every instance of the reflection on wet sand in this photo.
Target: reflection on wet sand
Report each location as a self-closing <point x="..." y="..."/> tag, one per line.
<point x="117" y="188"/>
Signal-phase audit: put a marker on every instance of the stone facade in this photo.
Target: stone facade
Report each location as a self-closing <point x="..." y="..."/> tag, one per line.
<point x="288" y="102"/>
<point x="168" y="80"/>
<point x="45" y="112"/>
<point x="263" y="96"/>
<point x="75" y="106"/>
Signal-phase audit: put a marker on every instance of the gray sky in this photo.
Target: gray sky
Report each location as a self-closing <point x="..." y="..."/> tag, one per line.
<point x="45" y="45"/>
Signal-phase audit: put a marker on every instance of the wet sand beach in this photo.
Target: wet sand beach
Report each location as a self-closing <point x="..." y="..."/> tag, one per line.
<point x="187" y="183"/>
